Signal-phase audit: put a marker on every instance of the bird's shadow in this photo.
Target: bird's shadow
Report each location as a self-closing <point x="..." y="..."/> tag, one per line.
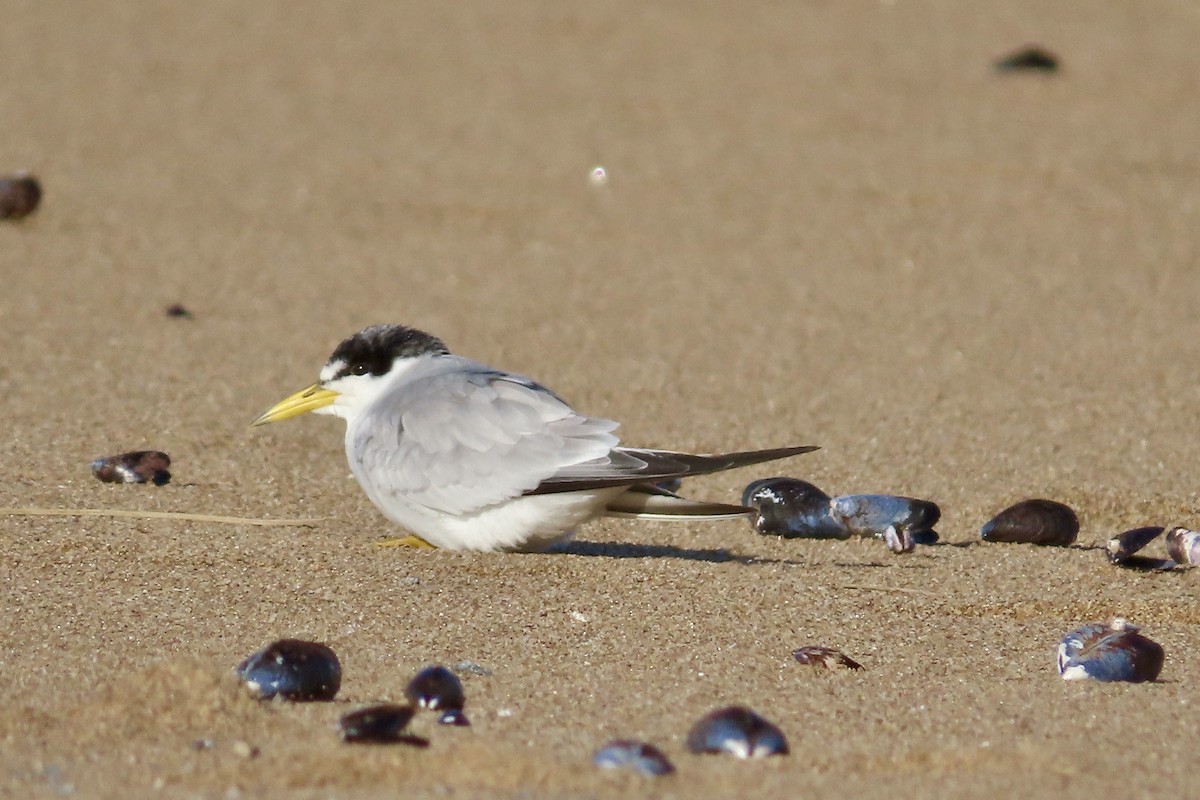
<point x="628" y="550"/>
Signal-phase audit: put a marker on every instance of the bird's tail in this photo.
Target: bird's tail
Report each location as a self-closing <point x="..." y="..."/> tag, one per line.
<point x="673" y="464"/>
<point x="647" y="501"/>
<point x="650" y="501"/>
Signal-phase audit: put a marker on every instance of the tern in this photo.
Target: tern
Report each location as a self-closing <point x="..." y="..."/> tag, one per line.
<point x="469" y="457"/>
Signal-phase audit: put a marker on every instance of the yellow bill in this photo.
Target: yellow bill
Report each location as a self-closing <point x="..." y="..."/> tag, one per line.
<point x="302" y="402"/>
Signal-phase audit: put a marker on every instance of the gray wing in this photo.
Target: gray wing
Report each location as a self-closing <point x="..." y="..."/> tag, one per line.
<point x="467" y="438"/>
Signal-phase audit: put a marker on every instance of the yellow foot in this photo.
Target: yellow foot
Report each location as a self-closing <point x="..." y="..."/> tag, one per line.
<point x="412" y="540"/>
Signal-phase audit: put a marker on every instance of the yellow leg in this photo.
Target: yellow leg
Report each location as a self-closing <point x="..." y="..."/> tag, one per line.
<point x="411" y="540"/>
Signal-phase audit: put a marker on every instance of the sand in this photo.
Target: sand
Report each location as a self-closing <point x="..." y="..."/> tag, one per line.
<point x="825" y="223"/>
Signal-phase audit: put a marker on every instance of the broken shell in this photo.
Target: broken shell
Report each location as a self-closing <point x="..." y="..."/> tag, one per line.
<point x="1037" y="521"/>
<point x="379" y="724"/>
<point x="896" y="520"/>
<point x="139" y="466"/>
<point x="738" y="731"/>
<point x="1028" y="59"/>
<point x="436" y="688"/>
<point x="292" y="669"/>
<point x="791" y="508"/>
<point x="827" y="657"/>
<point x="20" y="194"/>
<point x="638" y="756"/>
<point x="1112" y="652"/>
<point x="1183" y="545"/>
<point x="1124" y="545"/>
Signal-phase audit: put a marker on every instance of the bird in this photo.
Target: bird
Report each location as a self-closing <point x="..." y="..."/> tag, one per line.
<point x="469" y="457"/>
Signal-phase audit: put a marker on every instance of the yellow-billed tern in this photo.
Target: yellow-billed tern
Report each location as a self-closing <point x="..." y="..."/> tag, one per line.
<point x="468" y="457"/>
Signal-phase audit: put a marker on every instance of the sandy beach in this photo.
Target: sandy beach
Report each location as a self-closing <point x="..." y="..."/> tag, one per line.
<point x="823" y="223"/>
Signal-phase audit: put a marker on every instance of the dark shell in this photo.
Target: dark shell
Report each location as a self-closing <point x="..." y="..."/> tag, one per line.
<point x="455" y="717"/>
<point x="896" y="520"/>
<point x="20" y="195"/>
<point x="791" y="508"/>
<point x="637" y="756"/>
<point x="292" y="669"/>
<point x="738" y="731"/>
<point x="139" y="466"/>
<point x="1183" y="546"/>
<point x="1042" y="522"/>
<point x="178" y="311"/>
<point x="1028" y="59"/>
<point x="1109" y="652"/>
<point x="436" y="688"/>
<point x="1124" y="545"/>
<point x="827" y="657"/>
<point x="379" y="724"/>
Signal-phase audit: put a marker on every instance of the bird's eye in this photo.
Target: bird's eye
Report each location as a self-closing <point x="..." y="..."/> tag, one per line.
<point x="360" y="369"/>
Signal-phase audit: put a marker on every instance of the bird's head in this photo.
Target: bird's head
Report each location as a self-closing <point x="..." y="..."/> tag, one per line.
<point x="360" y="369"/>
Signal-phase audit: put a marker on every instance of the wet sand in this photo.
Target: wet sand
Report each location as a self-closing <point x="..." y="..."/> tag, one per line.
<point x="824" y="223"/>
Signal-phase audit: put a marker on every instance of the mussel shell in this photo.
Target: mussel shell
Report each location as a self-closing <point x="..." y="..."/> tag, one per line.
<point x="817" y="655"/>
<point x="1036" y="521"/>
<point x="738" y="731"/>
<point x="1109" y="652"/>
<point x="1183" y="546"/>
<point x="138" y="466"/>
<point x="791" y="508"/>
<point x="378" y="724"/>
<point x="20" y="195"/>
<point x="873" y="514"/>
<point x="436" y="688"/>
<point x="1124" y="545"/>
<point x="638" y="756"/>
<point x="292" y="669"/>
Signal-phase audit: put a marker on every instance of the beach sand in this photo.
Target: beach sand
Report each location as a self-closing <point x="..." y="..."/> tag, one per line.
<point x="824" y="223"/>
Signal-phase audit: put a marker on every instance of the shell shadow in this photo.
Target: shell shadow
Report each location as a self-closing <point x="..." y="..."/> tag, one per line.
<point x="627" y="550"/>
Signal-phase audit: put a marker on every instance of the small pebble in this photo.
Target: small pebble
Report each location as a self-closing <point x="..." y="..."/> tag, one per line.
<point x="436" y="688"/>
<point x="896" y="520"/>
<point x="140" y="466"/>
<point x="598" y="176"/>
<point x="178" y="311"/>
<point x="638" y="756"/>
<point x="381" y="724"/>
<point x="1183" y="546"/>
<point x="738" y="731"/>
<point x="1109" y="652"/>
<point x="292" y="669"/>
<point x="1121" y="547"/>
<point x="245" y="749"/>
<point x="791" y="508"/>
<point x="825" y="657"/>
<point x="20" y="194"/>
<point x="455" y="717"/>
<point x="1037" y="521"/>
<point x="1028" y="59"/>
